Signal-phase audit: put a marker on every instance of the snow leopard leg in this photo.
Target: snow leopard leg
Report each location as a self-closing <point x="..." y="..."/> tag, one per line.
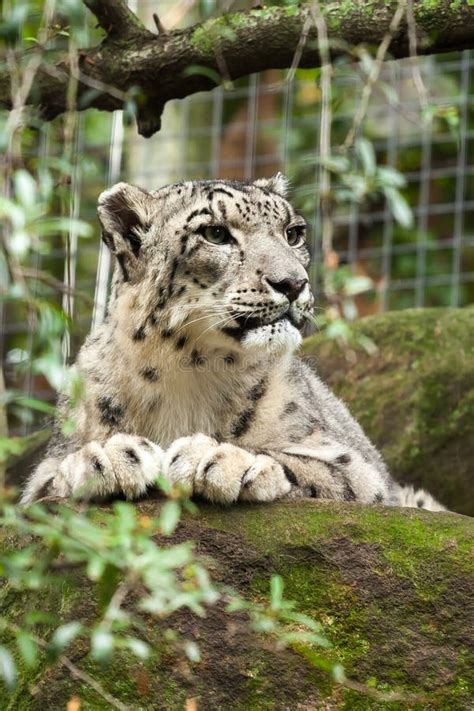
<point x="125" y="464"/>
<point x="224" y="473"/>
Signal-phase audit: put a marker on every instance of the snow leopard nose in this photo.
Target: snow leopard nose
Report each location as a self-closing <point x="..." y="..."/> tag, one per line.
<point x="291" y="288"/>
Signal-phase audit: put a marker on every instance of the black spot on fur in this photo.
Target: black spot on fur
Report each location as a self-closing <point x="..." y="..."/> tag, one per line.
<point x="290" y="475"/>
<point x="175" y="459"/>
<point x="181" y="342"/>
<point x="197" y="358"/>
<point x="290" y="408"/>
<point x="150" y="374"/>
<point x="97" y="465"/>
<point x="314" y="492"/>
<point x="132" y="456"/>
<point x="234" y="332"/>
<point x="420" y="503"/>
<point x="343" y="459"/>
<point x="258" y="390"/>
<point x="123" y="266"/>
<point x="43" y="490"/>
<point x="173" y="269"/>
<point x="222" y="208"/>
<point x="167" y="333"/>
<point x="191" y="215"/>
<point x="378" y="498"/>
<point x="139" y="334"/>
<point x="145" y="443"/>
<point x="110" y="412"/>
<point x="242" y="424"/>
<point x="223" y="191"/>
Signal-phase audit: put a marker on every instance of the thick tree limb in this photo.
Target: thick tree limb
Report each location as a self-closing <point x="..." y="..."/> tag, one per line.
<point x="115" y="17"/>
<point x="158" y="67"/>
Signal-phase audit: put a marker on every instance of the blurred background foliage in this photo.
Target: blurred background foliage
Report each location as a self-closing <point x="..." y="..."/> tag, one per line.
<point x="398" y="216"/>
<point x="400" y="196"/>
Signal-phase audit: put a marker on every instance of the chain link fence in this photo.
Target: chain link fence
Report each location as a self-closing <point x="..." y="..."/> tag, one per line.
<point x="270" y="122"/>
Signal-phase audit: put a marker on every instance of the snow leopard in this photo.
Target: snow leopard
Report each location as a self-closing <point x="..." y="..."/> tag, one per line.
<point x="194" y="375"/>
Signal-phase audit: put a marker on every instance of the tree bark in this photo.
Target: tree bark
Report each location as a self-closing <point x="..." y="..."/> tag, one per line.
<point x="156" y="68"/>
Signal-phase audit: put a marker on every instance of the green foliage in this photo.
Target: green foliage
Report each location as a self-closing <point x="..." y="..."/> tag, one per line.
<point x="133" y="574"/>
<point x="360" y="179"/>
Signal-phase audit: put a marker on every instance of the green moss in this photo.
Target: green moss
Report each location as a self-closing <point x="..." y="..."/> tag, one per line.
<point x="415" y="397"/>
<point x="389" y="586"/>
<point x="226" y="26"/>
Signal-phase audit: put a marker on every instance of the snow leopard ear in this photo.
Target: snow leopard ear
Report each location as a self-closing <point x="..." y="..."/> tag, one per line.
<point x="124" y="213"/>
<point x="278" y="184"/>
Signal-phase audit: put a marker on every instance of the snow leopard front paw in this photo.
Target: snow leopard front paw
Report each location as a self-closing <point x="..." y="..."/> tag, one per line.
<point x="223" y="473"/>
<point x="125" y="464"/>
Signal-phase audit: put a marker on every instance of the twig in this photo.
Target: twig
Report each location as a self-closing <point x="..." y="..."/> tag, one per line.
<point x="415" y="65"/>
<point x="159" y="25"/>
<point x="74" y="670"/>
<point x="51" y="281"/>
<point x="90" y="681"/>
<point x="374" y="74"/>
<point x="299" y="48"/>
<point x="383" y="696"/>
<point x="325" y="128"/>
<point x="116" y="18"/>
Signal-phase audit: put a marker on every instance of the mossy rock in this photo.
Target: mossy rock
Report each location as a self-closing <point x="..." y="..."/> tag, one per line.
<point x="414" y="397"/>
<point x="393" y="589"/>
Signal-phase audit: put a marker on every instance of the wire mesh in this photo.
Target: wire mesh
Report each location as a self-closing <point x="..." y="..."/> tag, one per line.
<point x="268" y="123"/>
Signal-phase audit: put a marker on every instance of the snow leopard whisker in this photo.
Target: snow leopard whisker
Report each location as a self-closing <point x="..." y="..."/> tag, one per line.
<point x="201" y="318"/>
<point x="221" y="322"/>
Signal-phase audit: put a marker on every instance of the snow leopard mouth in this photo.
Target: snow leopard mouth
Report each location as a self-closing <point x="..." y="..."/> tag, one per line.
<point x="253" y="322"/>
<point x="247" y="324"/>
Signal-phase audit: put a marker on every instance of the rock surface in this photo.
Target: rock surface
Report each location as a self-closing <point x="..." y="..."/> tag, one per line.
<point x="393" y="589"/>
<point x="414" y="397"/>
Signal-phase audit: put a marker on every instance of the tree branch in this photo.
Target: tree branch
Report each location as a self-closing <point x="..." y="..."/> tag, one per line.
<point x="132" y="59"/>
<point x="115" y="18"/>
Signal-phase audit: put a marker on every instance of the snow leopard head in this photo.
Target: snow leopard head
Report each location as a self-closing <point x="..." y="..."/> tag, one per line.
<point x="219" y="257"/>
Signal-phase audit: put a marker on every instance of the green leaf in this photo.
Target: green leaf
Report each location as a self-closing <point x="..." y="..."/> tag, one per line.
<point x="338" y="673"/>
<point x="53" y="225"/>
<point x="336" y="164"/>
<point x="25" y="189"/>
<point x="192" y="651"/>
<point x="276" y="591"/>
<point x="390" y="177"/>
<point x="28" y="648"/>
<point x="198" y="69"/>
<point x="107" y="585"/>
<point x="138" y="647"/>
<point x="357" y="285"/>
<point x="399" y="207"/>
<point x="366" y="153"/>
<point x="338" y="329"/>
<point x="63" y="636"/>
<point x="7" y="667"/>
<point x="169" y="517"/>
<point x="102" y="645"/>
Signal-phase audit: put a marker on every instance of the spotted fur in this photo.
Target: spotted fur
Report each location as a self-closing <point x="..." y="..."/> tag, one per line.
<point x="193" y="374"/>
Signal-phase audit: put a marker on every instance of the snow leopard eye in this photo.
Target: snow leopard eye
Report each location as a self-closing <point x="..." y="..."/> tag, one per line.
<point x="216" y="234"/>
<point x="296" y="235"/>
